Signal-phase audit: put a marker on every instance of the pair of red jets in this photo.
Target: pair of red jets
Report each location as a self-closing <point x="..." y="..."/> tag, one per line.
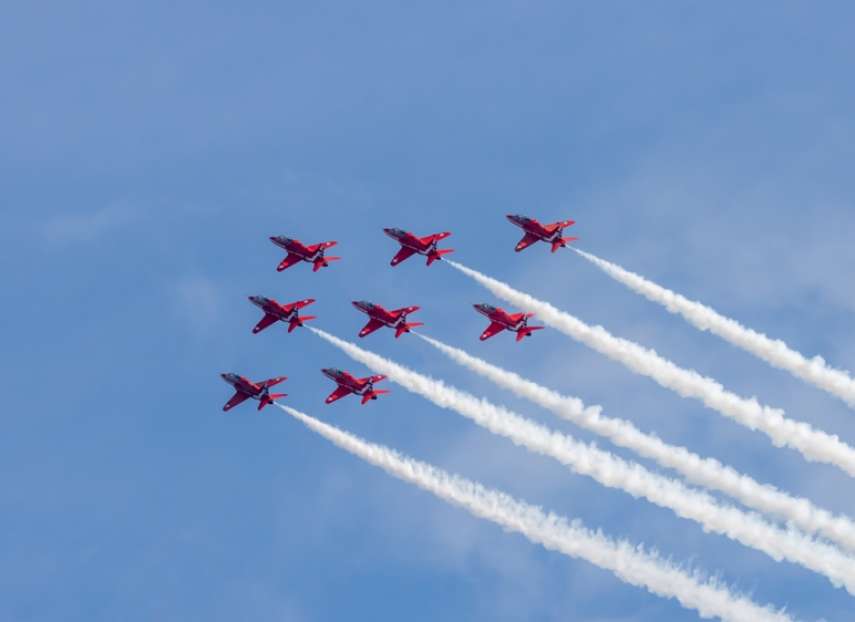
<point x="378" y="316"/>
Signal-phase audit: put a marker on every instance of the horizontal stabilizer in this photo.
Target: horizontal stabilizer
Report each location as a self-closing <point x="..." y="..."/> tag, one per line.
<point x="406" y="328"/>
<point x="437" y="254"/>
<point x="561" y="243"/>
<point x="268" y="399"/>
<point x="323" y="262"/>
<point x="299" y="321"/>
<point x="372" y="395"/>
<point x="527" y="331"/>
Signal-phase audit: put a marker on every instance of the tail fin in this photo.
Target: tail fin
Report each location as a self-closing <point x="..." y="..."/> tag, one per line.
<point x="561" y="243"/>
<point x="299" y="321"/>
<point x="406" y="328"/>
<point x="527" y="331"/>
<point x="372" y="395"/>
<point x="268" y="399"/>
<point x="323" y="262"/>
<point x="437" y="254"/>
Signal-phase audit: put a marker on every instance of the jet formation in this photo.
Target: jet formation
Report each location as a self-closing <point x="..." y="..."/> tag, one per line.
<point x="378" y="316"/>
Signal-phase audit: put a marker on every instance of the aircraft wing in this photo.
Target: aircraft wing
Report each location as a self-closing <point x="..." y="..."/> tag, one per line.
<point x="372" y="379"/>
<point x="298" y="305"/>
<point x="237" y="398"/>
<point x="266" y="321"/>
<point x="272" y="382"/>
<point x="397" y="312"/>
<point x="321" y="246"/>
<point x="435" y="237"/>
<point x="339" y="393"/>
<point x="289" y="261"/>
<point x="561" y="224"/>
<point x="493" y="329"/>
<point x="527" y="240"/>
<point x="370" y="327"/>
<point x="513" y="318"/>
<point x="402" y="255"/>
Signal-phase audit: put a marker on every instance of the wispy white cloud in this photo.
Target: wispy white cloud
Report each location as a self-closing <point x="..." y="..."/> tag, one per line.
<point x="85" y="226"/>
<point x="197" y="301"/>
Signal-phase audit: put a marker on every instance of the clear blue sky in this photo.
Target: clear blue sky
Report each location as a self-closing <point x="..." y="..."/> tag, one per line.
<point x="147" y="150"/>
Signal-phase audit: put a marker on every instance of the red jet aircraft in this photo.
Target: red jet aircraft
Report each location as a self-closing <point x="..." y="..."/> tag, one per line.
<point x="347" y="384"/>
<point x="410" y="245"/>
<point x="246" y="389"/>
<point x="276" y="312"/>
<point x="535" y="231"/>
<point x="397" y="318"/>
<point x="501" y="320"/>
<point x="297" y="251"/>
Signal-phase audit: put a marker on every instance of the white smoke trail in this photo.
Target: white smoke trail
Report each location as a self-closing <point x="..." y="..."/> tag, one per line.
<point x="630" y="563"/>
<point x="813" y="444"/>
<point x="706" y="472"/>
<point x="609" y="470"/>
<point x="775" y="352"/>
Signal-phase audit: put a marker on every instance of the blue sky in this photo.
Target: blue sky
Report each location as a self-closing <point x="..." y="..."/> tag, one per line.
<point x="148" y="151"/>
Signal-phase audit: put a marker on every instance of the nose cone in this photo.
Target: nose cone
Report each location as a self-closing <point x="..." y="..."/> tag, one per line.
<point x="257" y="300"/>
<point x="360" y="304"/>
<point x="281" y="240"/>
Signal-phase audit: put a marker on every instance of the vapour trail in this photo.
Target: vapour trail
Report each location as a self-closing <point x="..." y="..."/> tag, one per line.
<point x="814" y="445"/>
<point x="750" y="529"/>
<point x="774" y="351"/>
<point x="629" y="563"/>
<point x="706" y="472"/>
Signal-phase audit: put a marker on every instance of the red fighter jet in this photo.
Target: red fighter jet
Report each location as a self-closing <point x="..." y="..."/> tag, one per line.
<point x="397" y="318"/>
<point x="246" y="389"/>
<point x="347" y="384"/>
<point x="297" y="251"/>
<point x="276" y="312"/>
<point x="535" y="231"/>
<point x="501" y="320"/>
<point x="411" y="245"/>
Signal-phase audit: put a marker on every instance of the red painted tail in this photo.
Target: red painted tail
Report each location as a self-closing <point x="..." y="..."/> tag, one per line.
<point x="373" y="395"/>
<point x="437" y="254"/>
<point x="299" y="321"/>
<point x="527" y="331"/>
<point x="323" y="262"/>
<point x="561" y="243"/>
<point x="268" y="399"/>
<point x="406" y="328"/>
